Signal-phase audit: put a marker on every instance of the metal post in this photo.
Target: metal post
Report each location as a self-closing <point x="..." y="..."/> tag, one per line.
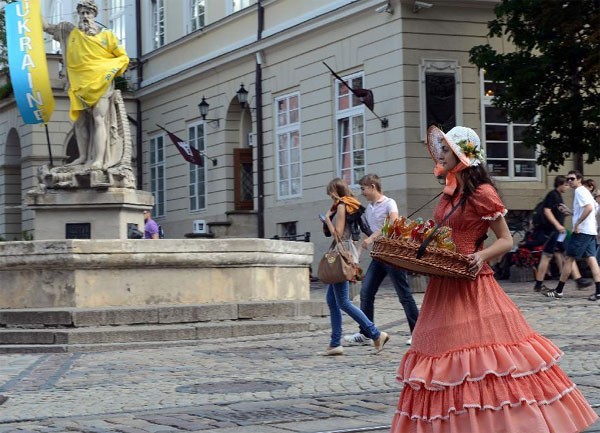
<point x="259" y="130"/>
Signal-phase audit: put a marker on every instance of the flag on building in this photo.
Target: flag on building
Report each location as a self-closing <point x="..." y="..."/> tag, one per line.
<point x="365" y="95"/>
<point x="189" y="153"/>
<point x="27" y="61"/>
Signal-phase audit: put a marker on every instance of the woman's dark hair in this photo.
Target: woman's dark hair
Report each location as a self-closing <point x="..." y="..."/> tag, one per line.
<point x="559" y="180"/>
<point x="338" y="188"/>
<point x="472" y="177"/>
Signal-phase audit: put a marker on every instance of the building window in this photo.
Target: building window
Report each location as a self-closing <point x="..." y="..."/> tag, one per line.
<point x="157" y="175"/>
<point x="54" y="16"/>
<point x="236" y="5"/>
<point x="441" y="95"/>
<point x="197" y="186"/>
<point x="289" y="158"/>
<point x="158" y="23"/>
<point x="197" y="9"/>
<point x="288" y="229"/>
<point x="116" y="19"/>
<point x="351" y="138"/>
<point x="507" y="158"/>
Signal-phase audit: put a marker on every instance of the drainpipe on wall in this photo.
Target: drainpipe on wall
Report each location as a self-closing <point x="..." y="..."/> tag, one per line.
<point x="259" y="128"/>
<point x="138" y="129"/>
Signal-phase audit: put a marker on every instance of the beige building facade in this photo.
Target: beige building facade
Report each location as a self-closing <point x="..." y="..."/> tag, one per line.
<point x="268" y="162"/>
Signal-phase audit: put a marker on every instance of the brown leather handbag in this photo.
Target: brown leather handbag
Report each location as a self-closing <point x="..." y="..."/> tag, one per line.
<point x="337" y="264"/>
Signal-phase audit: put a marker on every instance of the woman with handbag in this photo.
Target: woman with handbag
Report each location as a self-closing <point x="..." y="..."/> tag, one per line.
<point x="475" y="365"/>
<point x="343" y="249"/>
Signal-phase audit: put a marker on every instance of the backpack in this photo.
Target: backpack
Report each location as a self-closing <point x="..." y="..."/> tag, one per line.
<point x="538" y="218"/>
<point x="356" y="222"/>
<point x="161" y="233"/>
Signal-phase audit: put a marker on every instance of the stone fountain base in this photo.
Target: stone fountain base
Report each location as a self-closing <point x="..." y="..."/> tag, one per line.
<point x="103" y="273"/>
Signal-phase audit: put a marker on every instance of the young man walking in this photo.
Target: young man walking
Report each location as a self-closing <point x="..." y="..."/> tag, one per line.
<point x="551" y="228"/>
<point x="378" y="209"/>
<point x="583" y="239"/>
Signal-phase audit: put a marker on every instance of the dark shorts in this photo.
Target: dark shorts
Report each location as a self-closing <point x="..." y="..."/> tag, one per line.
<point x="551" y="246"/>
<point x="581" y="245"/>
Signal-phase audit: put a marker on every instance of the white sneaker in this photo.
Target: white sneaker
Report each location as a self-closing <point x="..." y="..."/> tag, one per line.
<point x="409" y="341"/>
<point x="357" y="339"/>
<point x="333" y="351"/>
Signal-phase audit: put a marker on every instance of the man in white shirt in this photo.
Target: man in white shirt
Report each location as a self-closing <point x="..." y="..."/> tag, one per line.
<point x="583" y="240"/>
<point x="378" y="209"/>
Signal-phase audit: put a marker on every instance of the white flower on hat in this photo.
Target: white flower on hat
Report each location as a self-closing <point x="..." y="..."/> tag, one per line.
<point x="466" y="145"/>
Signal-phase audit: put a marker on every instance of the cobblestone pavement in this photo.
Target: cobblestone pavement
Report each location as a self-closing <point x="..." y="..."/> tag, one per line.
<point x="265" y="384"/>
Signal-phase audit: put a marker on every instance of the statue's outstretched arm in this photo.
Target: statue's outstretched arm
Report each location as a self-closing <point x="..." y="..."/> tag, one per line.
<point x="48" y="28"/>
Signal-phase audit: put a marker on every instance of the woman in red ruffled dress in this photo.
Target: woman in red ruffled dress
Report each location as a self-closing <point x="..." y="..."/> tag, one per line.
<point x="475" y="365"/>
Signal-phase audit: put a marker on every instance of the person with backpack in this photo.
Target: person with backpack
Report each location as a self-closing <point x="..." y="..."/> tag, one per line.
<point x="583" y="240"/>
<point x="548" y="222"/>
<point x="379" y="208"/>
<point x="338" y="294"/>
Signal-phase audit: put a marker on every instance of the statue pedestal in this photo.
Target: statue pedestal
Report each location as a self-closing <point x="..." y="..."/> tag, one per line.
<point x="88" y="214"/>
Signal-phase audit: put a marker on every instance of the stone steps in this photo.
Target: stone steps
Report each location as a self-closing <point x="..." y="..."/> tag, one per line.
<point x="91" y="329"/>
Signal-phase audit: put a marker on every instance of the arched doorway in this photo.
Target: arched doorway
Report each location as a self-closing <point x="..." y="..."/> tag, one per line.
<point x="243" y="178"/>
<point x="238" y="139"/>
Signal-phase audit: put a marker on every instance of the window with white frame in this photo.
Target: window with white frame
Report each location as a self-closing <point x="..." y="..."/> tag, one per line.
<point x="507" y="157"/>
<point x="440" y="92"/>
<point x="158" y="23"/>
<point x="197" y="10"/>
<point x="197" y="185"/>
<point x="116" y="19"/>
<point x="289" y="158"/>
<point x="351" y="135"/>
<point x="54" y="17"/>
<point x="236" y="5"/>
<point x="158" y="174"/>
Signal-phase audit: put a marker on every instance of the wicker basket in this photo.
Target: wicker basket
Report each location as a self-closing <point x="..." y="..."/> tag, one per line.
<point x="402" y="254"/>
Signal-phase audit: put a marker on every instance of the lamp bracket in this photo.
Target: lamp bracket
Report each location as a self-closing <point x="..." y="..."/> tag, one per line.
<point x="212" y="122"/>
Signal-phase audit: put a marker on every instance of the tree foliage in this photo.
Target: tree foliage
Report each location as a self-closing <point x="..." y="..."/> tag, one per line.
<point x="552" y="76"/>
<point x="3" y="53"/>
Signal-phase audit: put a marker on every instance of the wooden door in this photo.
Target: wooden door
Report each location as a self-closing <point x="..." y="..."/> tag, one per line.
<point x="243" y="179"/>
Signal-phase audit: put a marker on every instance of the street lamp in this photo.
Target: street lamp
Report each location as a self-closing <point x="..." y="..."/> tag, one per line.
<point x="203" y="107"/>
<point x="242" y="96"/>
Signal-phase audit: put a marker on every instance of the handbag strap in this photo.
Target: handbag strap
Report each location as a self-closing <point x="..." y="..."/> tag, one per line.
<point x="441" y="192"/>
<point x="337" y="241"/>
<point x="429" y="238"/>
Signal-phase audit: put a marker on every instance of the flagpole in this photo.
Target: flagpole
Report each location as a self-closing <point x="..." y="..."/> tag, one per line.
<point x="49" y="147"/>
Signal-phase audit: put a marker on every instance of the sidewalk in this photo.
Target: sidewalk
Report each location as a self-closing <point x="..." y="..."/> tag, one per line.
<point x="262" y="384"/>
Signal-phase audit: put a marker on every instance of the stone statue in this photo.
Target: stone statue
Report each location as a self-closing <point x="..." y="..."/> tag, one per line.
<point x="93" y="58"/>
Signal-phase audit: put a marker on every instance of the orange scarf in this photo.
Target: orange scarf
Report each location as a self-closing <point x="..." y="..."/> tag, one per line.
<point x="352" y="204"/>
<point x="451" y="182"/>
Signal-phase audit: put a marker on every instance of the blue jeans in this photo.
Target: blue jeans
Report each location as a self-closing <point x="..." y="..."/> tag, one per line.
<point x="338" y="300"/>
<point x="370" y="285"/>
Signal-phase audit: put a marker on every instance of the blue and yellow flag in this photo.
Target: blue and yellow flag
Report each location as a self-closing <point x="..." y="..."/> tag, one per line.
<point x="27" y="61"/>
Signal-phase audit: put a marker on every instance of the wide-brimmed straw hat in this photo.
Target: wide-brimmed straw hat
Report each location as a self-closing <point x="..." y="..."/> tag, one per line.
<point x="463" y="141"/>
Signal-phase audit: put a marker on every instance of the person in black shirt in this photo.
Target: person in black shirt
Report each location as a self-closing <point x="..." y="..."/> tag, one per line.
<point x="551" y="229"/>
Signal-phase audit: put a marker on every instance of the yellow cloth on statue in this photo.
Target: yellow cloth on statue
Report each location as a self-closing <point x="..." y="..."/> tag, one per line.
<point x="93" y="62"/>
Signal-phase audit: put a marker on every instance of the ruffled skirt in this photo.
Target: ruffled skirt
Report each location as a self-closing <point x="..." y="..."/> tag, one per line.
<point x="477" y="367"/>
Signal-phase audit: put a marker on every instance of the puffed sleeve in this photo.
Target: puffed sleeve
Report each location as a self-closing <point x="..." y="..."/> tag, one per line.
<point x="487" y="203"/>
